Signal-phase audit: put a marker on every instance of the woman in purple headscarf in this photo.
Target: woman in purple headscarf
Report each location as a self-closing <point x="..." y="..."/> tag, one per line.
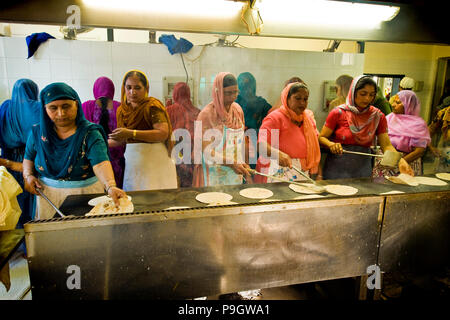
<point x="103" y="110"/>
<point x="407" y="131"/>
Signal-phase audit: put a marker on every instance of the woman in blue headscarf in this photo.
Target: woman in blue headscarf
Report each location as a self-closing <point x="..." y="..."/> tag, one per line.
<point x="255" y="110"/>
<point x="66" y="152"/>
<point x="17" y="115"/>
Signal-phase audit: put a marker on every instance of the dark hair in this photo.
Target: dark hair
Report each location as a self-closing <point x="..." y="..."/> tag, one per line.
<point x="344" y="81"/>
<point x="229" y="80"/>
<point x="104" y="118"/>
<point x="292" y="80"/>
<point x="138" y="74"/>
<point x="363" y="82"/>
<point x="296" y="88"/>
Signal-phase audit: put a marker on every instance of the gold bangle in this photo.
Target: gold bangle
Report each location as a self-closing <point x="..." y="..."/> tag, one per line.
<point x="7" y="164"/>
<point x="134" y="134"/>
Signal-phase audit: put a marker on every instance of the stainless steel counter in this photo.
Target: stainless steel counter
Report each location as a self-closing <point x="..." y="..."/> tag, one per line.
<point x="201" y="251"/>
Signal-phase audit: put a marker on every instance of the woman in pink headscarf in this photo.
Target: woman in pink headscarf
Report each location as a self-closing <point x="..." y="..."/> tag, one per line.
<point x="297" y="143"/>
<point x="223" y="142"/>
<point x="408" y="132"/>
<point x="103" y="110"/>
<point x="182" y="116"/>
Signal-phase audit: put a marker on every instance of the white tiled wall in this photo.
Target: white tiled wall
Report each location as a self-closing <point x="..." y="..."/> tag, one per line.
<point x="79" y="63"/>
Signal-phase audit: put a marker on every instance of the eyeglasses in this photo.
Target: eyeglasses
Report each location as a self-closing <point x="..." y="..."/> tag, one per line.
<point x="231" y="93"/>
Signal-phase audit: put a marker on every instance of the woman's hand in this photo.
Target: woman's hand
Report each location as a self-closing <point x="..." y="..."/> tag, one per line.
<point x="244" y="170"/>
<point x="284" y="160"/>
<point x="404" y="167"/>
<point x="115" y="194"/>
<point x="435" y="151"/>
<point x="121" y="134"/>
<point x="31" y="183"/>
<point x="336" y="148"/>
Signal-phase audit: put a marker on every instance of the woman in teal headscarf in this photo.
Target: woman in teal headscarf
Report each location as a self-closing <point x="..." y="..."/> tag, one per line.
<point x="17" y="115"/>
<point x="69" y="153"/>
<point x="255" y="110"/>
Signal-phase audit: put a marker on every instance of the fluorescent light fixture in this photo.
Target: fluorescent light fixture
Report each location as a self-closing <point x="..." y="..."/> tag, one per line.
<point x="325" y="13"/>
<point x="212" y="9"/>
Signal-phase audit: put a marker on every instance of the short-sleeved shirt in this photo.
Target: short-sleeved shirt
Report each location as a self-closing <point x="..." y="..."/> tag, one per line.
<point x="95" y="151"/>
<point x="337" y="122"/>
<point x="292" y="139"/>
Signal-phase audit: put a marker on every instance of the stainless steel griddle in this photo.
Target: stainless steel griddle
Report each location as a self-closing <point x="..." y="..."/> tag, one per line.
<point x="188" y="253"/>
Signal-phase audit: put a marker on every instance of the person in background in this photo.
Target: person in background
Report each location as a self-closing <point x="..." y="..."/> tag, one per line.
<point x="182" y="115"/>
<point x="66" y="154"/>
<point x="103" y="111"/>
<point x="406" y="83"/>
<point x="381" y="103"/>
<point x="440" y="126"/>
<point x="353" y="127"/>
<point x="343" y="83"/>
<point x="408" y="133"/>
<point x="279" y="103"/>
<point x="17" y="116"/>
<point x="144" y="126"/>
<point x="298" y="143"/>
<point x="255" y="109"/>
<point x="227" y="118"/>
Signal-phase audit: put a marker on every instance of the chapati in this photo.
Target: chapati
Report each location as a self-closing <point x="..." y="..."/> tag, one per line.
<point x="403" y="178"/>
<point x="213" y="197"/>
<point x="391" y="192"/>
<point x="256" y="193"/>
<point x="173" y="208"/>
<point x="93" y="202"/>
<point x="307" y="188"/>
<point x="108" y="207"/>
<point x="443" y="176"/>
<point x="341" y="190"/>
<point x="430" y="181"/>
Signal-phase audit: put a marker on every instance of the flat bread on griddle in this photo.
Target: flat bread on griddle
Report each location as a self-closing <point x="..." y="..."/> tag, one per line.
<point x="107" y="206"/>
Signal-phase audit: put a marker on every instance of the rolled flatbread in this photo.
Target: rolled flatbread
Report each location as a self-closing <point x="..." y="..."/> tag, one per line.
<point x="308" y="188"/>
<point x="256" y="193"/>
<point x="341" y="190"/>
<point x="443" y="176"/>
<point x="403" y="178"/>
<point x="213" y="197"/>
<point x="108" y="207"/>
<point x="430" y="181"/>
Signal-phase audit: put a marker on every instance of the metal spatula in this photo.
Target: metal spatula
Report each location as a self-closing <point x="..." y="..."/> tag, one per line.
<point x="309" y="179"/>
<point x="322" y="189"/>
<point x="389" y="158"/>
<point x="51" y="203"/>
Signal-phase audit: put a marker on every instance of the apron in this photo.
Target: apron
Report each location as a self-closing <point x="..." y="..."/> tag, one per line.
<point x="148" y="167"/>
<point x="347" y="165"/>
<point x="285" y="172"/>
<point x="214" y="174"/>
<point x="58" y="190"/>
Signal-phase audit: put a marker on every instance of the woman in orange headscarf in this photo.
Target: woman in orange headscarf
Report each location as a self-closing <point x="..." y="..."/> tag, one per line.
<point x="144" y="125"/>
<point x="297" y="143"/>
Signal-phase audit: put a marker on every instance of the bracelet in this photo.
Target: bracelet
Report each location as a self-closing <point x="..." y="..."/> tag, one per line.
<point x="7" y="164"/>
<point x="25" y="176"/>
<point x="109" y="187"/>
<point x="134" y="134"/>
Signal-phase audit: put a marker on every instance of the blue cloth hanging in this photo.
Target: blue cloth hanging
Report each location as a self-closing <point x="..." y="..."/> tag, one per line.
<point x="174" y="45"/>
<point x="35" y="40"/>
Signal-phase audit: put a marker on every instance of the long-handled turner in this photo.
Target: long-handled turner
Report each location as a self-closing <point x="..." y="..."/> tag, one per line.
<point x="316" y="187"/>
<point x="51" y="203"/>
<point x="389" y="158"/>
